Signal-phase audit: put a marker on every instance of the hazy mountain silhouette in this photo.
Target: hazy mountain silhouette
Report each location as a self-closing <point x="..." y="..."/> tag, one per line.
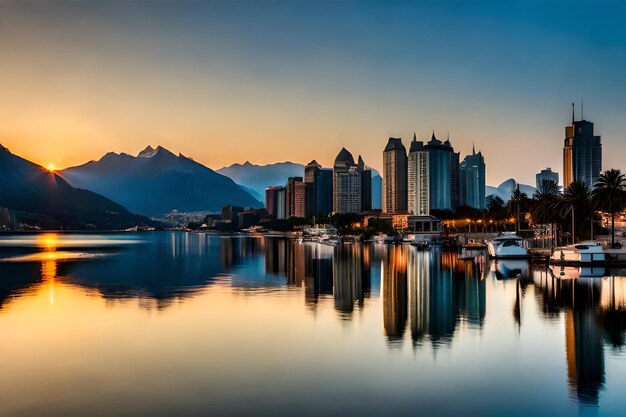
<point x="259" y="177"/>
<point x="52" y="202"/>
<point x="156" y="182"/>
<point x="506" y="189"/>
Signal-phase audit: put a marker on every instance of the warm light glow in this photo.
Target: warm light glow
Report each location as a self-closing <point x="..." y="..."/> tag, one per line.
<point x="50" y="167"/>
<point x="48" y="241"/>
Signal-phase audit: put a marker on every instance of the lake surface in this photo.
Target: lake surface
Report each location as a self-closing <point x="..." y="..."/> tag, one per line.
<point x="178" y="324"/>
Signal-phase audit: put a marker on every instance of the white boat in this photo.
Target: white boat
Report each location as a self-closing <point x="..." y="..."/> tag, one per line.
<point x="580" y="253"/>
<point x="507" y="246"/>
<point x="577" y="272"/>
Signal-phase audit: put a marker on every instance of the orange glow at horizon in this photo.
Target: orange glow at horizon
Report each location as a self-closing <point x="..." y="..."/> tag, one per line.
<point x="50" y="167"/>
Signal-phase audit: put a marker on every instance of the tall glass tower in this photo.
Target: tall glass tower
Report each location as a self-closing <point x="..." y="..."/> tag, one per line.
<point x="582" y="153"/>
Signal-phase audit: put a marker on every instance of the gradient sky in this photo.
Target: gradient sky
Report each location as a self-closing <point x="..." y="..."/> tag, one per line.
<point x="230" y="81"/>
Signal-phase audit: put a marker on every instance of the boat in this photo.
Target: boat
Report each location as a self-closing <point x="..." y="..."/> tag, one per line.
<point x="579" y="253"/>
<point x="421" y="244"/>
<point x="507" y="246"/>
<point x="577" y="272"/>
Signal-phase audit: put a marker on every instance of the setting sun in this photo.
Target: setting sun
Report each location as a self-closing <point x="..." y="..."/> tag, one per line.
<point x="50" y="167"/>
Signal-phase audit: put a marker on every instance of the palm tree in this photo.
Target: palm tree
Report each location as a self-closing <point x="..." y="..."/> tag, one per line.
<point x="545" y="201"/>
<point x="575" y="199"/>
<point x="609" y="194"/>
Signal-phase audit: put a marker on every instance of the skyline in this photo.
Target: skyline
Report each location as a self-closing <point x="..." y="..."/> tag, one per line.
<point x="84" y="79"/>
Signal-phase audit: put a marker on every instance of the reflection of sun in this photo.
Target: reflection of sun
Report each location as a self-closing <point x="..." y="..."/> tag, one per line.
<point x="48" y="241"/>
<point x="50" y="167"/>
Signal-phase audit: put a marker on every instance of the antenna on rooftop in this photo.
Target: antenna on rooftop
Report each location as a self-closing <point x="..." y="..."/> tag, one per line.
<point x="582" y="108"/>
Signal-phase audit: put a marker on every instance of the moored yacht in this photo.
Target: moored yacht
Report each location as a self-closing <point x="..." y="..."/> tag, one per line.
<point x="579" y="253"/>
<point x="507" y="246"/>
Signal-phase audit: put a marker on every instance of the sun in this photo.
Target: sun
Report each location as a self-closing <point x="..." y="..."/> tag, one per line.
<point x="50" y="167"/>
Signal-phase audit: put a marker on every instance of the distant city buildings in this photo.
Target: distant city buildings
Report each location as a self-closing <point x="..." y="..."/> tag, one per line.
<point x="395" y="176"/>
<point x="582" y="153"/>
<point x="472" y="181"/>
<point x="546" y="178"/>
<point x="346" y="184"/>
<point x="418" y="186"/>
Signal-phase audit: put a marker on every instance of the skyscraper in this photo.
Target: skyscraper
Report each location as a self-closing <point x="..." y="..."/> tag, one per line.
<point x="346" y="184"/>
<point x="311" y="170"/>
<point x="439" y="161"/>
<point x="275" y="202"/>
<point x="395" y="176"/>
<point x="582" y="153"/>
<point x="366" y="185"/>
<point x="546" y="177"/>
<point x="472" y="181"/>
<point x="291" y="196"/>
<point x="455" y="185"/>
<point x="323" y="192"/>
<point x="418" y="181"/>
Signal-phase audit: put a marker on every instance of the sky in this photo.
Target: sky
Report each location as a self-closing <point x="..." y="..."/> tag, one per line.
<point x="228" y="81"/>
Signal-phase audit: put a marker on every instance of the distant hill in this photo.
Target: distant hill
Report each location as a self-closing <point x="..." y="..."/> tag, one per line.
<point x="256" y="178"/>
<point x="506" y="189"/>
<point x="259" y="177"/>
<point x="46" y="199"/>
<point x="156" y="182"/>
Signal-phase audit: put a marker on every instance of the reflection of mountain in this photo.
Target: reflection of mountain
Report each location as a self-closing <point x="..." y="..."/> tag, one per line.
<point x="17" y="278"/>
<point x="594" y="315"/>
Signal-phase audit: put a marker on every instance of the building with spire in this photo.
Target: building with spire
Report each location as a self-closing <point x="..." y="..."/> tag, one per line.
<point x="582" y="153"/>
<point x="395" y="177"/>
<point x="346" y="184"/>
<point x="440" y="181"/>
<point x="418" y="179"/>
<point x="472" y="181"/>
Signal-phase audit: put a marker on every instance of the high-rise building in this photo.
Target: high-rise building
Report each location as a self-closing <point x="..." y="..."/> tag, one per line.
<point x="395" y="176"/>
<point x="455" y="184"/>
<point x="291" y="196"/>
<point x="582" y="153"/>
<point x="304" y="199"/>
<point x="311" y="170"/>
<point x="439" y="160"/>
<point x="418" y="182"/>
<point x="377" y="191"/>
<point x="323" y="192"/>
<point x="547" y="178"/>
<point x="472" y="181"/>
<point x="275" y="202"/>
<point x="366" y="185"/>
<point x="346" y="184"/>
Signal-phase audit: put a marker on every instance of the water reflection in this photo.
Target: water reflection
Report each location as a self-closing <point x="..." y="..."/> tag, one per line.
<point x="403" y="301"/>
<point x="594" y="314"/>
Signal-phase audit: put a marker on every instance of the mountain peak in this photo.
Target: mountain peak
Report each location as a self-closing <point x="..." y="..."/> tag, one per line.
<point x="148" y="152"/>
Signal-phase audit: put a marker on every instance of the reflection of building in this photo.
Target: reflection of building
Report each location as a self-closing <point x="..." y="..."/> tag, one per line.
<point x="395" y="176"/>
<point x="546" y="178"/>
<point x="418" y="181"/>
<point x="442" y="290"/>
<point x="318" y="273"/>
<point x="582" y="153"/>
<point x="395" y="292"/>
<point x="347" y="278"/>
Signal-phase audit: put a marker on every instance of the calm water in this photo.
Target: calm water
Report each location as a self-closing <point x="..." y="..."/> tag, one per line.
<point x="184" y="324"/>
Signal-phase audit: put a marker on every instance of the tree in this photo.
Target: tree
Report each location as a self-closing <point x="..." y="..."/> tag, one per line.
<point x="545" y="201"/>
<point x="575" y="201"/>
<point x="609" y="194"/>
<point x="496" y="207"/>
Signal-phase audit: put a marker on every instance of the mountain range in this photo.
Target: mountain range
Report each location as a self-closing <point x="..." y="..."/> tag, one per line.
<point x="156" y="181"/>
<point x="45" y="198"/>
